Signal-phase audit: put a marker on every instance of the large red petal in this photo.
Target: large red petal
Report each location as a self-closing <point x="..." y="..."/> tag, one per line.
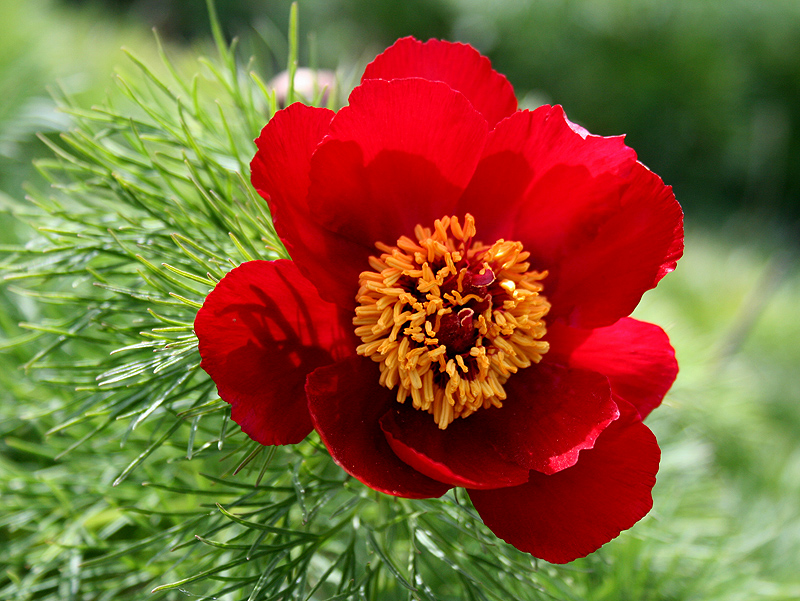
<point x="458" y="65"/>
<point x="570" y="514"/>
<point x="346" y="404"/>
<point x="519" y="153"/>
<point x="262" y="330"/>
<point x="636" y="357"/>
<point x="399" y="155"/>
<point x="461" y="455"/>
<point x="550" y="415"/>
<point x="603" y="278"/>
<point x="604" y="227"/>
<point x="280" y="173"/>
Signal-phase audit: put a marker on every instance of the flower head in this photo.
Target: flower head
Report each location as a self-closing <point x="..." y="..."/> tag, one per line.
<point x="455" y="312"/>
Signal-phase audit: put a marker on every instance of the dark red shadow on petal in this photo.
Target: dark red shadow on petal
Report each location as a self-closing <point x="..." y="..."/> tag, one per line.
<point x="636" y="356"/>
<point x="499" y="183"/>
<point x="550" y="415"/>
<point x="570" y="514"/>
<point x="458" y="65"/>
<point x="420" y="117"/>
<point x="280" y="173"/>
<point x="378" y="202"/>
<point x="514" y="195"/>
<point x="461" y="455"/>
<point x="261" y="331"/>
<point x="603" y="279"/>
<point x="346" y="404"/>
<point x="564" y="209"/>
<point x="399" y="155"/>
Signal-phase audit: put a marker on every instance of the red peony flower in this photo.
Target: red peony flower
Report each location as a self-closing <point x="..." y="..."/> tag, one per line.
<point x="455" y="312"/>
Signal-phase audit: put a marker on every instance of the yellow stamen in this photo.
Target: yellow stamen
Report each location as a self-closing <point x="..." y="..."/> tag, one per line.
<point x="450" y="319"/>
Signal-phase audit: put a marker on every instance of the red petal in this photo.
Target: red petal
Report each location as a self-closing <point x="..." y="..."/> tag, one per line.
<point x="285" y="145"/>
<point x="603" y="279"/>
<point x="458" y="65"/>
<point x="568" y="515"/>
<point x="346" y="404"/>
<point x="636" y="357"/>
<point x="461" y="455"/>
<point x="399" y="155"/>
<point x="566" y="207"/>
<point x="262" y="330"/>
<point x="604" y="227"/>
<point x="280" y="173"/>
<point x="546" y="138"/>
<point x="519" y="153"/>
<point x="550" y="415"/>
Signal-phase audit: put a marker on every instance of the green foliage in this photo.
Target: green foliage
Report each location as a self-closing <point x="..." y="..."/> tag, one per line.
<point x="149" y="206"/>
<point x="121" y="472"/>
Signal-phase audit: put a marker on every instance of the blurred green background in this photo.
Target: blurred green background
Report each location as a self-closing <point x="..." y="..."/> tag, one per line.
<point x="708" y="92"/>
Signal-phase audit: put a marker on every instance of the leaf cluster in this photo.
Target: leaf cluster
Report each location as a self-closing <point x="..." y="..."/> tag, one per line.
<point x="123" y="477"/>
<point x="127" y="476"/>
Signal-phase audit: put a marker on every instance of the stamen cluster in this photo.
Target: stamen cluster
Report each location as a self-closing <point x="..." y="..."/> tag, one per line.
<point x="450" y="319"/>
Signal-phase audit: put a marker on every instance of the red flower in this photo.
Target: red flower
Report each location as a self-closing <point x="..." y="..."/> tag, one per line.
<point x="476" y="263"/>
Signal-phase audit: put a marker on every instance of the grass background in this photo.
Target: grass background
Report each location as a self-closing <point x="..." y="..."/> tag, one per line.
<point x="709" y="94"/>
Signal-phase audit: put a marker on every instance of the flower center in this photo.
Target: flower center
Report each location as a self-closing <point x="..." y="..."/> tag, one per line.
<point x="450" y="319"/>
